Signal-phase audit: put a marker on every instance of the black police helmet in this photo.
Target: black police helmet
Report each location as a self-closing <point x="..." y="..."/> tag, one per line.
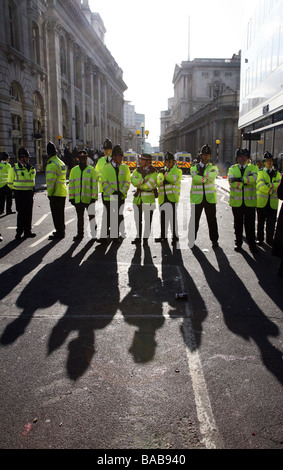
<point x="5" y="155"/>
<point x="169" y="156"/>
<point x="117" y="151"/>
<point x="240" y="152"/>
<point x="23" y="152"/>
<point x="107" y="144"/>
<point x="267" y="155"/>
<point x="51" y="149"/>
<point x="206" y="149"/>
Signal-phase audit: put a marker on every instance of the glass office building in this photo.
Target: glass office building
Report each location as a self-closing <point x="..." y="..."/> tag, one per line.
<point x="261" y="98"/>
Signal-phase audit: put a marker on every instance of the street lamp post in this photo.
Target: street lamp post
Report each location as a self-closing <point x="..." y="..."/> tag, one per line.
<point x="142" y="135"/>
<point x="217" y="149"/>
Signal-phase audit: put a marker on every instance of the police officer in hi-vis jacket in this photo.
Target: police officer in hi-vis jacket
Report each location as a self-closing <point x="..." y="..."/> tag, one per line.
<point x="203" y="194"/>
<point x="242" y="179"/>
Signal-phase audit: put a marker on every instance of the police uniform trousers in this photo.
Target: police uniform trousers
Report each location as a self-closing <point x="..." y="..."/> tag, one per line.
<point x="80" y="209"/>
<point x="57" y="206"/>
<point x="210" y="212"/>
<point x="5" y="196"/>
<point x="143" y="214"/>
<point x="266" y="216"/>
<point x="244" y="217"/>
<point x="113" y="219"/>
<point x="24" y="206"/>
<point x="168" y="215"/>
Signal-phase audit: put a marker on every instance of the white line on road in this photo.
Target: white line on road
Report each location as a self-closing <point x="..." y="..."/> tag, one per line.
<point x="47" y="235"/>
<point x="210" y="435"/>
<point x="36" y="224"/>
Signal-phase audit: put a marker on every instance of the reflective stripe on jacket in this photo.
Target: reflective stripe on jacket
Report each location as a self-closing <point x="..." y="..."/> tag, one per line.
<point x="243" y="191"/>
<point x="204" y="185"/>
<point x="4" y="170"/>
<point x="56" y="177"/>
<point x="21" y="178"/>
<point x="266" y="189"/>
<point x="169" y="184"/>
<point x="111" y="185"/>
<point x="146" y="186"/>
<point x="83" y="184"/>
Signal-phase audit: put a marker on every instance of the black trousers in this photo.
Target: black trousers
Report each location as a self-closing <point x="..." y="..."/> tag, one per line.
<point x="143" y="211"/>
<point x="80" y="209"/>
<point x="24" y="206"/>
<point x="244" y="217"/>
<point x="210" y="212"/>
<point x="57" y="206"/>
<point x="113" y="219"/>
<point x="5" y="196"/>
<point x="168" y="215"/>
<point x="266" y="217"/>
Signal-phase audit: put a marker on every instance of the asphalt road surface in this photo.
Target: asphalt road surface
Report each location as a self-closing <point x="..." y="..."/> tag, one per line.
<point x="97" y="353"/>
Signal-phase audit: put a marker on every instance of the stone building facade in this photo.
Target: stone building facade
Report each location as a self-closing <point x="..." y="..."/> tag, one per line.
<point x="205" y="109"/>
<point x="58" y="80"/>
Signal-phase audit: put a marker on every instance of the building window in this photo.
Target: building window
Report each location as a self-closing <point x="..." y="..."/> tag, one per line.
<point x="35" y="43"/>
<point x="12" y="24"/>
<point x="63" y="57"/>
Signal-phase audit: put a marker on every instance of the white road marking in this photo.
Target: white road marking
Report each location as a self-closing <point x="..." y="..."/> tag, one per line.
<point x="36" y="224"/>
<point x="47" y="235"/>
<point x="210" y="435"/>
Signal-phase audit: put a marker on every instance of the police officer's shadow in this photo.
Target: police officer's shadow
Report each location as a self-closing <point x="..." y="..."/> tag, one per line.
<point x="196" y="313"/>
<point x="10" y="279"/>
<point x="264" y="268"/>
<point x="240" y="312"/>
<point x="70" y="281"/>
<point x="92" y="298"/>
<point x="142" y="306"/>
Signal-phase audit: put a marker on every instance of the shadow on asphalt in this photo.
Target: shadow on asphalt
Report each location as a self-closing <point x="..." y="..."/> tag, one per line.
<point x="242" y="315"/>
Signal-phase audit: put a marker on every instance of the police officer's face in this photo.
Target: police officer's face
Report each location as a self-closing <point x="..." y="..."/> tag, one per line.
<point x="107" y="152"/>
<point x="268" y="163"/>
<point x="24" y="160"/>
<point x="205" y="157"/>
<point x="169" y="163"/>
<point x="242" y="159"/>
<point x="118" y="159"/>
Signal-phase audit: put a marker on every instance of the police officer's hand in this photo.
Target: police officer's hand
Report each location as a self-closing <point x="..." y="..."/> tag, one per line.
<point x="236" y="180"/>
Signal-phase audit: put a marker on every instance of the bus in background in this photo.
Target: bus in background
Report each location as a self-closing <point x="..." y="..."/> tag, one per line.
<point x="184" y="161"/>
<point x="130" y="158"/>
<point x="158" y="159"/>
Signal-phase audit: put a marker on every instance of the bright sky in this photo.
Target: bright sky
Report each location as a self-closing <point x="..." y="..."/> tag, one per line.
<point x="148" y="38"/>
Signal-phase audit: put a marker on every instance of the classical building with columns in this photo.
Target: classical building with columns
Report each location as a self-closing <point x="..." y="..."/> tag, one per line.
<point x="58" y="80"/>
<point x="205" y="109"/>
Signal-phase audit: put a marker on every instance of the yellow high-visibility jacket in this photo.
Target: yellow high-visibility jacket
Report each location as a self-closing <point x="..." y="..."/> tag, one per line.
<point x="113" y="184"/>
<point x="204" y="185"/>
<point x="83" y="185"/>
<point x="243" y="191"/>
<point x="169" y="184"/>
<point x="21" y="178"/>
<point x="266" y="188"/>
<point x="56" y="177"/>
<point x="147" y="190"/>
<point x="4" y="170"/>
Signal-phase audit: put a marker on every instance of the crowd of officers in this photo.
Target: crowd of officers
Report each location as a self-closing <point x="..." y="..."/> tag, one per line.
<point x="252" y="191"/>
